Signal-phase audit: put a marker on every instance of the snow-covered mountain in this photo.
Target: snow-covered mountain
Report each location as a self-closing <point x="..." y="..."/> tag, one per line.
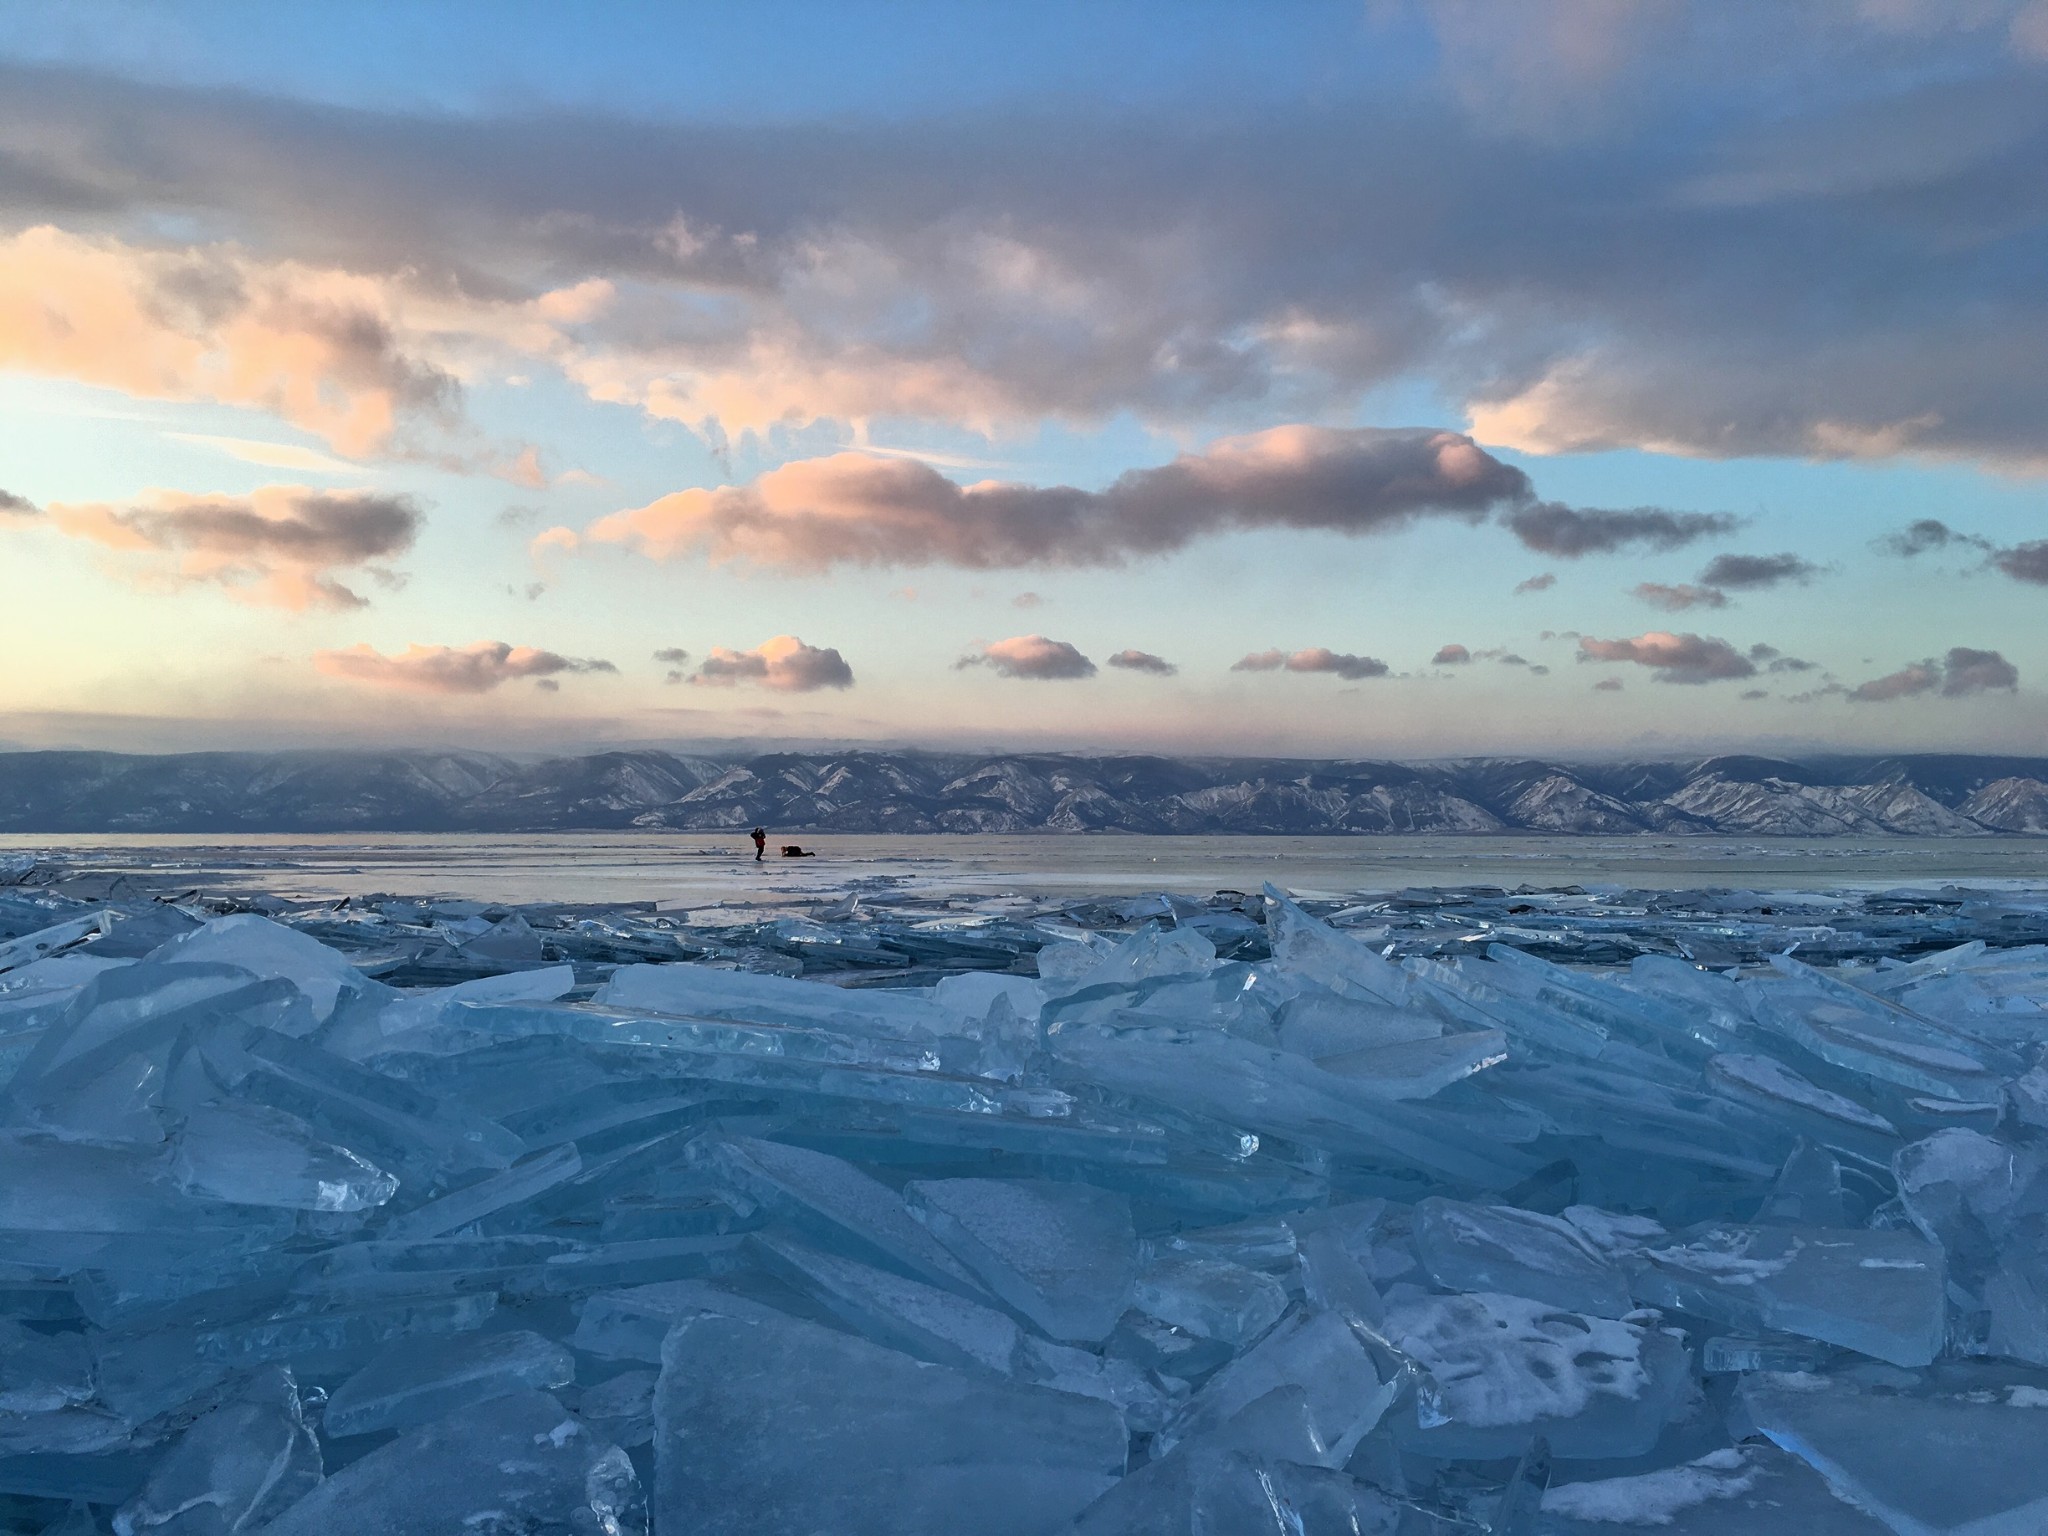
<point x="910" y="792"/>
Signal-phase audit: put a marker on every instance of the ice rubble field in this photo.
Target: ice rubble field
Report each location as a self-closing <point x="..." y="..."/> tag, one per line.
<point x="1442" y="1212"/>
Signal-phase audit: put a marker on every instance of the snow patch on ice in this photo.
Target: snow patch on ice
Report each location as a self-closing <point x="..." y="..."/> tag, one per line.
<point x="1654" y="1498"/>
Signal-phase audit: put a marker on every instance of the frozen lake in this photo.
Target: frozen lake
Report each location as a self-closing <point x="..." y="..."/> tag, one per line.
<point x="690" y="869"/>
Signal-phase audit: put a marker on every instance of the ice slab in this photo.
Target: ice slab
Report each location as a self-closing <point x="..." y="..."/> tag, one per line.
<point x="1064" y="1255"/>
<point x="516" y="1463"/>
<point x="235" y="1469"/>
<point x="785" y="1428"/>
<point x="1931" y="1463"/>
<point x="417" y="1381"/>
<point x="1525" y="1253"/>
<point x="1210" y="1298"/>
<point x="1323" y="1354"/>
<point x="1880" y="1293"/>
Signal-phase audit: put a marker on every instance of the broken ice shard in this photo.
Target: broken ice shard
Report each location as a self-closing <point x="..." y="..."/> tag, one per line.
<point x="515" y="1463"/>
<point x="783" y="1428"/>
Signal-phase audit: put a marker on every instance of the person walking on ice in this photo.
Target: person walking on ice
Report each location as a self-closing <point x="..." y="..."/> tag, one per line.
<point x="760" y="836"/>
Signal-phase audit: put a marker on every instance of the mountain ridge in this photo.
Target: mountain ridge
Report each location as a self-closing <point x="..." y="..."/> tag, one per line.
<point x="909" y="792"/>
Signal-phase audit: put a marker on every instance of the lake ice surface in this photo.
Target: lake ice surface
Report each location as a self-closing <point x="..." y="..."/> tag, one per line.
<point x="1021" y="1185"/>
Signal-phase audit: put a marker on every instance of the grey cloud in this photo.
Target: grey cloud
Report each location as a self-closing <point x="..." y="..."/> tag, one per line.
<point x="1031" y="657"/>
<point x="1928" y="533"/>
<point x="1451" y="656"/>
<point x="1143" y="661"/>
<point x="1919" y="677"/>
<point x="1027" y="600"/>
<point x="853" y="508"/>
<point x="1969" y="671"/>
<point x="784" y="664"/>
<point x="1678" y="599"/>
<point x="1754" y="693"/>
<point x="282" y="545"/>
<point x="1673" y="658"/>
<point x="1608" y="685"/>
<point x="12" y="505"/>
<point x="674" y="655"/>
<point x="1315" y="658"/>
<point x="1963" y="671"/>
<point x="1571" y="532"/>
<point x="2025" y="562"/>
<point x="1540" y="583"/>
<point x="1747" y="572"/>
<point x="477" y="668"/>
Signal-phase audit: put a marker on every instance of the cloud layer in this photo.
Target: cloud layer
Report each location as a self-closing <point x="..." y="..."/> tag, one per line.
<point x="784" y="664"/>
<point x="478" y="668"/>
<point x="721" y="274"/>
<point x="282" y="545"/>
<point x="1031" y="657"/>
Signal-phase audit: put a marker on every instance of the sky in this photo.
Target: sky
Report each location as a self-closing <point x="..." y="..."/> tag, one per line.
<point x="1392" y="378"/>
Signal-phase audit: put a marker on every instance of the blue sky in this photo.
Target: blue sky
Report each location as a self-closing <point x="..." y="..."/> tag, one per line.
<point x="418" y="373"/>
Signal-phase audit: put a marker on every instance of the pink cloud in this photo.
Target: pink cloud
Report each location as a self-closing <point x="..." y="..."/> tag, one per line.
<point x="784" y="664"/>
<point x="1032" y="657"/>
<point x="477" y="668"/>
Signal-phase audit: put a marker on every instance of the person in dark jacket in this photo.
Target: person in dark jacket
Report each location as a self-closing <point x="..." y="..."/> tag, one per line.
<point x="760" y="836"/>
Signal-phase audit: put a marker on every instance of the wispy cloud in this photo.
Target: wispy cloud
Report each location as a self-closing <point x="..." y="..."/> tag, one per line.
<point x="478" y="668"/>
<point x="1551" y="528"/>
<point x="283" y="545"/>
<point x="1316" y="658"/>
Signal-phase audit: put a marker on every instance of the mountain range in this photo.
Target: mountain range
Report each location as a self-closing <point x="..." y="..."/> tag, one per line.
<point x="915" y="792"/>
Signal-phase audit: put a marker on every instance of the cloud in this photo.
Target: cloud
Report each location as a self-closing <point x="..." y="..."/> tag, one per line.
<point x="1969" y="671"/>
<point x="283" y="545"/>
<point x="1747" y="572"/>
<point x="1027" y="600"/>
<point x="1608" y="685"/>
<point x="270" y="455"/>
<point x="1570" y="532"/>
<point x="1778" y="660"/>
<point x="2024" y="562"/>
<point x="477" y="668"/>
<point x="1316" y="658"/>
<point x="673" y="655"/>
<point x="1673" y="658"/>
<point x="784" y="664"/>
<point x="318" y="347"/>
<point x="720" y="274"/>
<point x="1451" y="656"/>
<point x="1678" y="599"/>
<point x="1919" y="677"/>
<point x="1961" y="672"/>
<point x="1928" y="533"/>
<point x="1033" y="657"/>
<point x="853" y="508"/>
<point x="1540" y="583"/>
<point x="1754" y="693"/>
<point x="1143" y="661"/>
<point x="12" y="505"/>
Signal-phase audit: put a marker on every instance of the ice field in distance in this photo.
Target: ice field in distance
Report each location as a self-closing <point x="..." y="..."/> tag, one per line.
<point x="1465" y="1209"/>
